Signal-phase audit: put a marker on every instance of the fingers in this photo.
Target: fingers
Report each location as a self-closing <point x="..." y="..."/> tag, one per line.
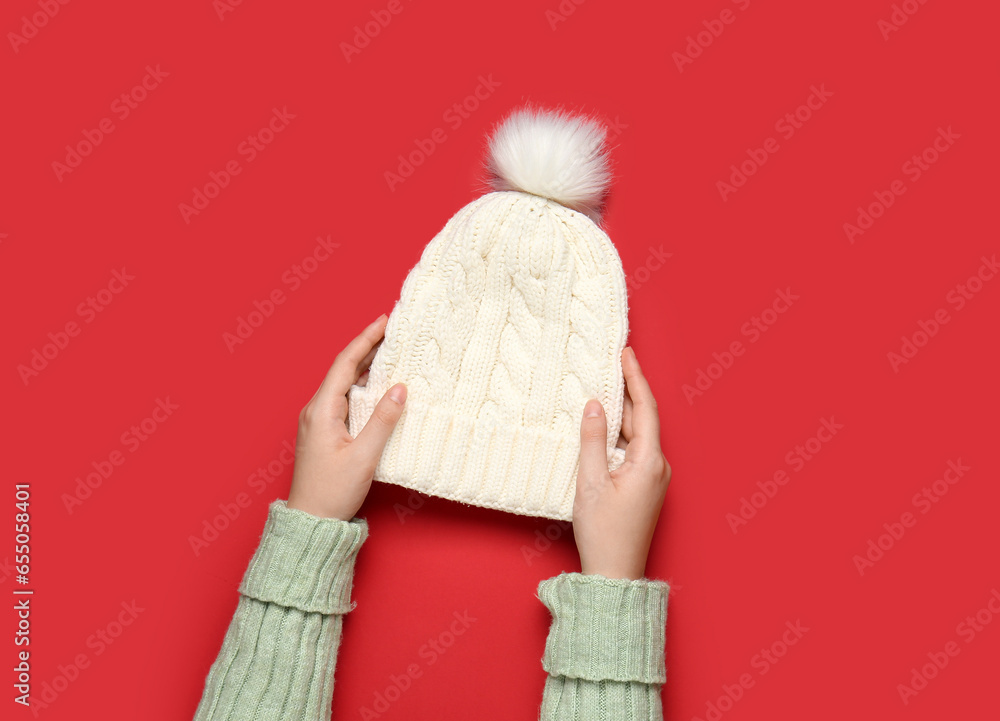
<point x="367" y="360"/>
<point x="593" y="441"/>
<point x="339" y="405"/>
<point x="347" y="366"/>
<point x="627" y="431"/>
<point x="645" y="419"/>
<point x="625" y="434"/>
<point x="373" y="437"/>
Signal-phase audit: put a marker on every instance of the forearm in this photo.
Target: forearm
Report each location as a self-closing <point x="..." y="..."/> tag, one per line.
<point x="274" y="661"/>
<point x="573" y="699"/>
<point x="605" y="650"/>
<point x="279" y="652"/>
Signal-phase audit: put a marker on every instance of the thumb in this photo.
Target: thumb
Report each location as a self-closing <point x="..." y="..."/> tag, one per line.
<point x="372" y="438"/>
<point x="593" y="442"/>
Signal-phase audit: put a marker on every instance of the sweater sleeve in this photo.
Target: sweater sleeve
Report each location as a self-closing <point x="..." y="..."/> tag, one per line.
<point x="605" y="649"/>
<point x="279" y="652"/>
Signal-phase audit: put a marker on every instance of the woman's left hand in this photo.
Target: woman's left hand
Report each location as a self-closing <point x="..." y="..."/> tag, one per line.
<point x="333" y="471"/>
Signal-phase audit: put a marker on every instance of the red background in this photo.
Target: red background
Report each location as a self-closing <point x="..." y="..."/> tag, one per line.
<point x="324" y="174"/>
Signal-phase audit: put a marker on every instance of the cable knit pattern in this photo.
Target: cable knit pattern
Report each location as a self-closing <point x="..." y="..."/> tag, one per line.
<point x="514" y="316"/>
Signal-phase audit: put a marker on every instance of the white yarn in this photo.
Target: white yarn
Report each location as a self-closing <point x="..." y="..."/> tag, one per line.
<point x="552" y="154"/>
<point x="515" y="315"/>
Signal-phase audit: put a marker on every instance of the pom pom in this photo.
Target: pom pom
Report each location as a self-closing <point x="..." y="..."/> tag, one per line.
<point x="553" y="154"/>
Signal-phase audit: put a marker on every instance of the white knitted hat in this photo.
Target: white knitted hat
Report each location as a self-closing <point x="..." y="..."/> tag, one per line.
<point x="515" y="315"/>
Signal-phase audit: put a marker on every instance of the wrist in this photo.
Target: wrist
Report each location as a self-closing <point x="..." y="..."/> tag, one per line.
<point x="297" y="503"/>
<point x="626" y="572"/>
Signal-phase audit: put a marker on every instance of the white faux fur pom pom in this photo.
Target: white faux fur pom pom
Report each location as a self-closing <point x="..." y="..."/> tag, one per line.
<point x="553" y="154"/>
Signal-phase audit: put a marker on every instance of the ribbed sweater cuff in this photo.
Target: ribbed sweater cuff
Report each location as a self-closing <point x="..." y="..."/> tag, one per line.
<point x="605" y="629"/>
<point x="304" y="561"/>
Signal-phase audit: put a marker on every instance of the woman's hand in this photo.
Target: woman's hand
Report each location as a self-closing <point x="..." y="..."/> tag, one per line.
<point x="333" y="471"/>
<point x="614" y="514"/>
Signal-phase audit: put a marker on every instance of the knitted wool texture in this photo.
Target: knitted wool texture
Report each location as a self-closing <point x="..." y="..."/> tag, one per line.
<point x="604" y="654"/>
<point x="514" y="316"/>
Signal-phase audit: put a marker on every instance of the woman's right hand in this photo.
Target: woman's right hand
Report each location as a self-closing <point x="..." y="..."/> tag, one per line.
<point x="615" y="513"/>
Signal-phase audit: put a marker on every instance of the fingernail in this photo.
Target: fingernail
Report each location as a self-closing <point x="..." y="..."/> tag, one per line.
<point x="398" y="393"/>
<point x="378" y="319"/>
<point x="593" y="409"/>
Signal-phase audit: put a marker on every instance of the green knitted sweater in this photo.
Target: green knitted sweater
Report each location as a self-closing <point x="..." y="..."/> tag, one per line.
<point x="604" y="654"/>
